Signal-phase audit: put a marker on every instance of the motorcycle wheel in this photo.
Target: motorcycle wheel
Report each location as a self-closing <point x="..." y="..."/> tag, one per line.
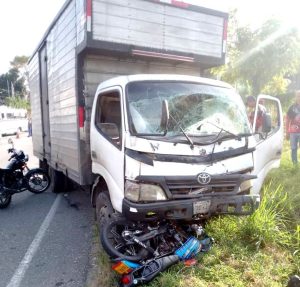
<point x="37" y="180"/>
<point x="115" y="244"/>
<point x="5" y="200"/>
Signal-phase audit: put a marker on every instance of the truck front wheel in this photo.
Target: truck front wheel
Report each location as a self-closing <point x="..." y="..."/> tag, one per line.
<point x="104" y="209"/>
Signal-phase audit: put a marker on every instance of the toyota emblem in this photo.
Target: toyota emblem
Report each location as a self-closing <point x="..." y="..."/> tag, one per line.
<point x="204" y="178"/>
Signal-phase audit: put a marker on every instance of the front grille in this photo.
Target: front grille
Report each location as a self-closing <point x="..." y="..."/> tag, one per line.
<point x="219" y="184"/>
<point x="180" y="187"/>
<point x="200" y="190"/>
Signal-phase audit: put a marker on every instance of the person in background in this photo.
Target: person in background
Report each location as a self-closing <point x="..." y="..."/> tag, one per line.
<point x="29" y="127"/>
<point x="251" y="104"/>
<point x="293" y="127"/>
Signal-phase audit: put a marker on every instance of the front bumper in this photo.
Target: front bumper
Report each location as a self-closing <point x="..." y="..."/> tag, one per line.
<point x="184" y="209"/>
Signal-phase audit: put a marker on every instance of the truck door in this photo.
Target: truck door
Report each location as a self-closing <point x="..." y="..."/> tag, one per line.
<point x="45" y="101"/>
<point x="269" y="144"/>
<point x="107" y="142"/>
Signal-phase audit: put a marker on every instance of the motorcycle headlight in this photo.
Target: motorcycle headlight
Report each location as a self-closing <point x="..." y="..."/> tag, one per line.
<point x="137" y="192"/>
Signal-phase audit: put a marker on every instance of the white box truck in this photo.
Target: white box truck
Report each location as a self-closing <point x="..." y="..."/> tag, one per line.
<point x="112" y="111"/>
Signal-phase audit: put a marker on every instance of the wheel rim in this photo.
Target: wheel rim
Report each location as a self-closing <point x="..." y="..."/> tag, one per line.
<point x="38" y="182"/>
<point x="4" y="199"/>
<point x="116" y="238"/>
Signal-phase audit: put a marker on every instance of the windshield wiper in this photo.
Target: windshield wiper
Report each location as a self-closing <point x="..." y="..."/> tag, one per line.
<point x="183" y="132"/>
<point x="187" y="137"/>
<point x="230" y="134"/>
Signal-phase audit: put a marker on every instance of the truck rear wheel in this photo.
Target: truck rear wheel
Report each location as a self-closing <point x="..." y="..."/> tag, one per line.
<point x="58" y="180"/>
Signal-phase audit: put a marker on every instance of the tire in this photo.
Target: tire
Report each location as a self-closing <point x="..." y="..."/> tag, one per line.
<point x="58" y="181"/>
<point x="5" y="201"/>
<point x="37" y="180"/>
<point x="110" y="241"/>
<point x="104" y="209"/>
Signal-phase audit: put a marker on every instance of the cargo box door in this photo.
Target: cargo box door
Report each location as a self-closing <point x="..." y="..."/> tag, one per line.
<point x="45" y="102"/>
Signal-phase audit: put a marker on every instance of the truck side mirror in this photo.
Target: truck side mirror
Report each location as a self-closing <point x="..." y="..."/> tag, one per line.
<point x="164" y="116"/>
<point x="266" y="123"/>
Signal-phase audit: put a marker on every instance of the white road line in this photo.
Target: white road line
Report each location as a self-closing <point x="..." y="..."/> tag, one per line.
<point x="16" y="279"/>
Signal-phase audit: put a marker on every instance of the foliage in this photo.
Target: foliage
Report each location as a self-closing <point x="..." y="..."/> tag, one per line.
<point x="17" y="102"/>
<point x="13" y="83"/>
<point x="276" y="86"/>
<point x="260" y="61"/>
<point x="19" y="62"/>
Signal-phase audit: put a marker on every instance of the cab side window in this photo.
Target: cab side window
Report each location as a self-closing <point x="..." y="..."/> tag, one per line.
<point x="108" y="118"/>
<point x="273" y="110"/>
<point x="268" y="111"/>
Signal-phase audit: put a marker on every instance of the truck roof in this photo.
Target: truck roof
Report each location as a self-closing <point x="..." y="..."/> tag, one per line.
<point x="123" y="80"/>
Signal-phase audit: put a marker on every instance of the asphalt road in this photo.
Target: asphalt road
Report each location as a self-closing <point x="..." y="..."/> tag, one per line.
<point x="45" y="239"/>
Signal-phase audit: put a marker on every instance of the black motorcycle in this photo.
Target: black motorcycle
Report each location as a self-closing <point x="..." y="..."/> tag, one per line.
<point x="17" y="177"/>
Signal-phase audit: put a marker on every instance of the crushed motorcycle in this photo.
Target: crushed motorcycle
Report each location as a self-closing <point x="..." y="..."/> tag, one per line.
<point x="18" y="177"/>
<point x="142" y="250"/>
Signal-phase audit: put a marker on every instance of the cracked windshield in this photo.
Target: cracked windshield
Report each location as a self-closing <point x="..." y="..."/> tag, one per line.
<point x="200" y="110"/>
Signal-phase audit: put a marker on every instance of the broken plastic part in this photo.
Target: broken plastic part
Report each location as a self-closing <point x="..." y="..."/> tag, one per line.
<point x="190" y="262"/>
<point x="189" y="249"/>
<point x="126" y="280"/>
<point x="125" y="267"/>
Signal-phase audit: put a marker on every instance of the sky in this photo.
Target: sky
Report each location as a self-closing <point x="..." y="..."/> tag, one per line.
<point x="24" y="22"/>
<point x="22" y="25"/>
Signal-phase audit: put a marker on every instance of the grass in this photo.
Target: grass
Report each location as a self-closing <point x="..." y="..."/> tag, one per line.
<point x="258" y="250"/>
<point x="100" y="274"/>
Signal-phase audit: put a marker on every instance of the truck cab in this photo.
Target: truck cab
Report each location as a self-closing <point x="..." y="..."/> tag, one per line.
<point x="180" y="147"/>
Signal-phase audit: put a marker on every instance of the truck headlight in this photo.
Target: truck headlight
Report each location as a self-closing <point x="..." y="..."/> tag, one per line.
<point x="137" y="192"/>
<point x="246" y="185"/>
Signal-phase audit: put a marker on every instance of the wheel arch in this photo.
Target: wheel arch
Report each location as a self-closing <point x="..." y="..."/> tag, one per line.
<point x="99" y="185"/>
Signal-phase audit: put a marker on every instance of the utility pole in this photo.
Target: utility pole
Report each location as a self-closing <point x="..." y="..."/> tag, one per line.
<point x="12" y="89"/>
<point x="8" y="91"/>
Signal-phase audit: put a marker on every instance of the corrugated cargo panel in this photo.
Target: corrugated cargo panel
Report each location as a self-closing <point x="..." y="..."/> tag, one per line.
<point x="35" y="100"/>
<point x="61" y="44"/>
<point x="154" y="25"/>
<point x="80" y="21"/>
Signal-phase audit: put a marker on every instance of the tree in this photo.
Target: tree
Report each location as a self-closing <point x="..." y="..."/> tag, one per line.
<point x="19" y="62"/>
<point x="260" y="61"/>
<point x="14" y="82"/>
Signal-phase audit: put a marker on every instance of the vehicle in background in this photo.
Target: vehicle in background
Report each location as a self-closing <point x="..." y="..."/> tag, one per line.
<point x="12" y="120"/>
